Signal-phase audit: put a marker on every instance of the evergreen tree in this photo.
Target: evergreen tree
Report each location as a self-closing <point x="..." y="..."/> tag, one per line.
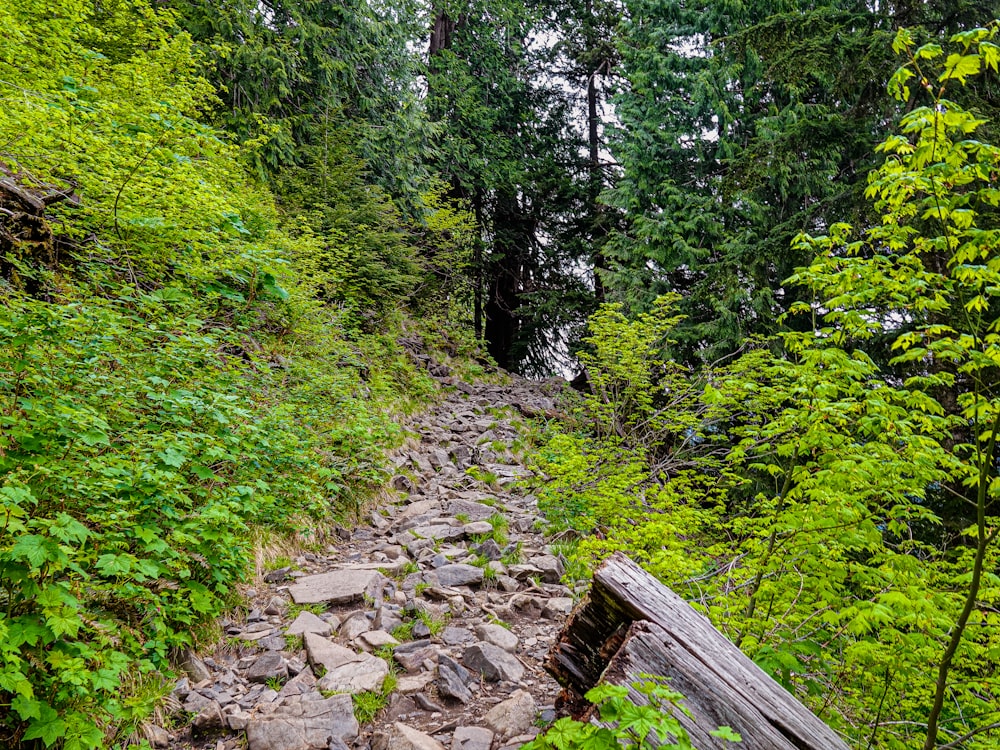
<point x="739" y="126"/>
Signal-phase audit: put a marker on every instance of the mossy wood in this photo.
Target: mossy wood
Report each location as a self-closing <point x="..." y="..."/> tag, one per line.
<point x="631" y="624"/>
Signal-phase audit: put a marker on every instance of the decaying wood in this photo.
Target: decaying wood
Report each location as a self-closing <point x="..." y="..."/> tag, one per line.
<point x="25" y="232"/>
<point x="631" y="624"/>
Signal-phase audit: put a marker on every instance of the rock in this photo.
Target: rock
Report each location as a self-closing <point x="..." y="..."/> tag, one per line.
<point x="421" y="629"/>
<point x="427" y="704"/>
<point x="489" y="549"/>
<point x="307" y="622"/>
<point x="354" y="626"/>
<point x="439" y="532"/>
<point x="195" y="702"/>
<point x="498" y="636"/>
<point x="158" y="736"/>
<point x="327" y="654"/>
<point x="493" y="663"/>
<point x="507" y="583"/>
<point x="457" y="574"/>
<point x="552" y="569"/>
<point x="472" y="738"/>
<point x="387" y="618"/>
<point x="195" y="668"/>
<point x="308" y="725"/>
<point x="513" y="716"/>
<point x="276" y="606"/>
<point x="408" y="684"/>
<point x="268" y="666"/>
<point x="523" y="572"/>
<point x="473" y="511"/>
<point x="450" y="685"/>
<point x="366" y="673"/>
<point x="557" y="607"/>
<point x="452" y="636"/>
<point x="338" y="587"/>
<point x="377" y="639"/>
<point x="238" y="721"/>
<point x="277" y="576"/>
<point x="411" y="656"/>
<point x="403" y="737"/>
<point x="476" y="528"/>
<point x="208" y="720"/>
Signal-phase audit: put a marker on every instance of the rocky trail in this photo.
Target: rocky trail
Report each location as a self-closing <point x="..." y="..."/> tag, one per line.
<point x="429" y="622"/>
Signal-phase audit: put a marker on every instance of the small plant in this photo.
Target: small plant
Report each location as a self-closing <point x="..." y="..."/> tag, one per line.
<point x="434" y="624"/>
<point x="513" y="556"/>
<point x="294" y="643"/>
<point x="294" y="610"/>
<point x="403" y="632"/>
<point x="628" y="726"/>
<point x="282" y="561"/>
<point x="421" y="587"/>
<point x="368" y="704"/>
<point x="274" y="683"/>
<point x="385" y="652"/>
<point x="463" y="517"/>
<point x="408" y="568"/>
<point x="494" y="620"/>
<point x="481" y="475"/>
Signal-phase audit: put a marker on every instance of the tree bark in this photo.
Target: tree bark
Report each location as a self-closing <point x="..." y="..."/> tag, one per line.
<point x="631" y="625"/>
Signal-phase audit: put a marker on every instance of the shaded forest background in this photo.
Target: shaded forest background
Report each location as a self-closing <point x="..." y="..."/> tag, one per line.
<point x="765" y="232"/>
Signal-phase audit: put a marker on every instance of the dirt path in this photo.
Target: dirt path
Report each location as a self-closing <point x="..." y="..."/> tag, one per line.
<point x="449" y="597"/>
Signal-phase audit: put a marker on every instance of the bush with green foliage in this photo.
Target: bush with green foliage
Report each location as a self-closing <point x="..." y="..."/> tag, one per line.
<point x="630" y="716"/>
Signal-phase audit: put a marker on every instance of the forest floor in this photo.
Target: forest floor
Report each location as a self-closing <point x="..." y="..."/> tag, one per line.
<point x="428" y="622"/>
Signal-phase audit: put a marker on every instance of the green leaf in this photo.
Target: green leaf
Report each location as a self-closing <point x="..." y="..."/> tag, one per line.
<point x="48" y="727"/>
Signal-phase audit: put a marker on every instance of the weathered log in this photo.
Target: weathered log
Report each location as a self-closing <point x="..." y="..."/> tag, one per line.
<point x="631" y="624"/>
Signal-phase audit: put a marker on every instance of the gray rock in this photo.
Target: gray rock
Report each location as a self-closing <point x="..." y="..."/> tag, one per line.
<point x="327" y="654"/>
<point x="306" y="725"/>
<point x="421" y="629"/>
<point x="354" y="626"/>
<point x="275" y="606"/>
<point x="457" y="574"/>
<point x="208" y="720"/>
<point x="307" y="622"/>
<point x="552" y="569"/>
<point x="513" y="716"/>
<point x="450" y="685"/>
<point x="195" y="668"/>
<point x="387" y="618"/>
<point x="474" y="511"/>
<point x="195" y="702"/>
<point x="403" y="737"/>
<point x="338" y="587"/>
<point x="366" y="673"/>
<point x="477" y="527"/>
<point x="268" y="666"/>
<point x="377" y="639"/>
<point x="489" y="549"/>
<point x="472" y="738"/>
<point x="158" y="736"/>
<point x="427" y="704"/>
<point x="493" y="663"/>
<point x="411" y="656"/>
<point x="439" y="532"/>
<point x="272" y="643"/>
<point x="414" y="683"/>
<point x="452" y="636"/>
<point x="498" y="636"/>
<point x="557" y="607"/>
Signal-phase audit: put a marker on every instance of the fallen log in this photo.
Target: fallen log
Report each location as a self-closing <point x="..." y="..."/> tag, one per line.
<point x="631" y="625"/>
